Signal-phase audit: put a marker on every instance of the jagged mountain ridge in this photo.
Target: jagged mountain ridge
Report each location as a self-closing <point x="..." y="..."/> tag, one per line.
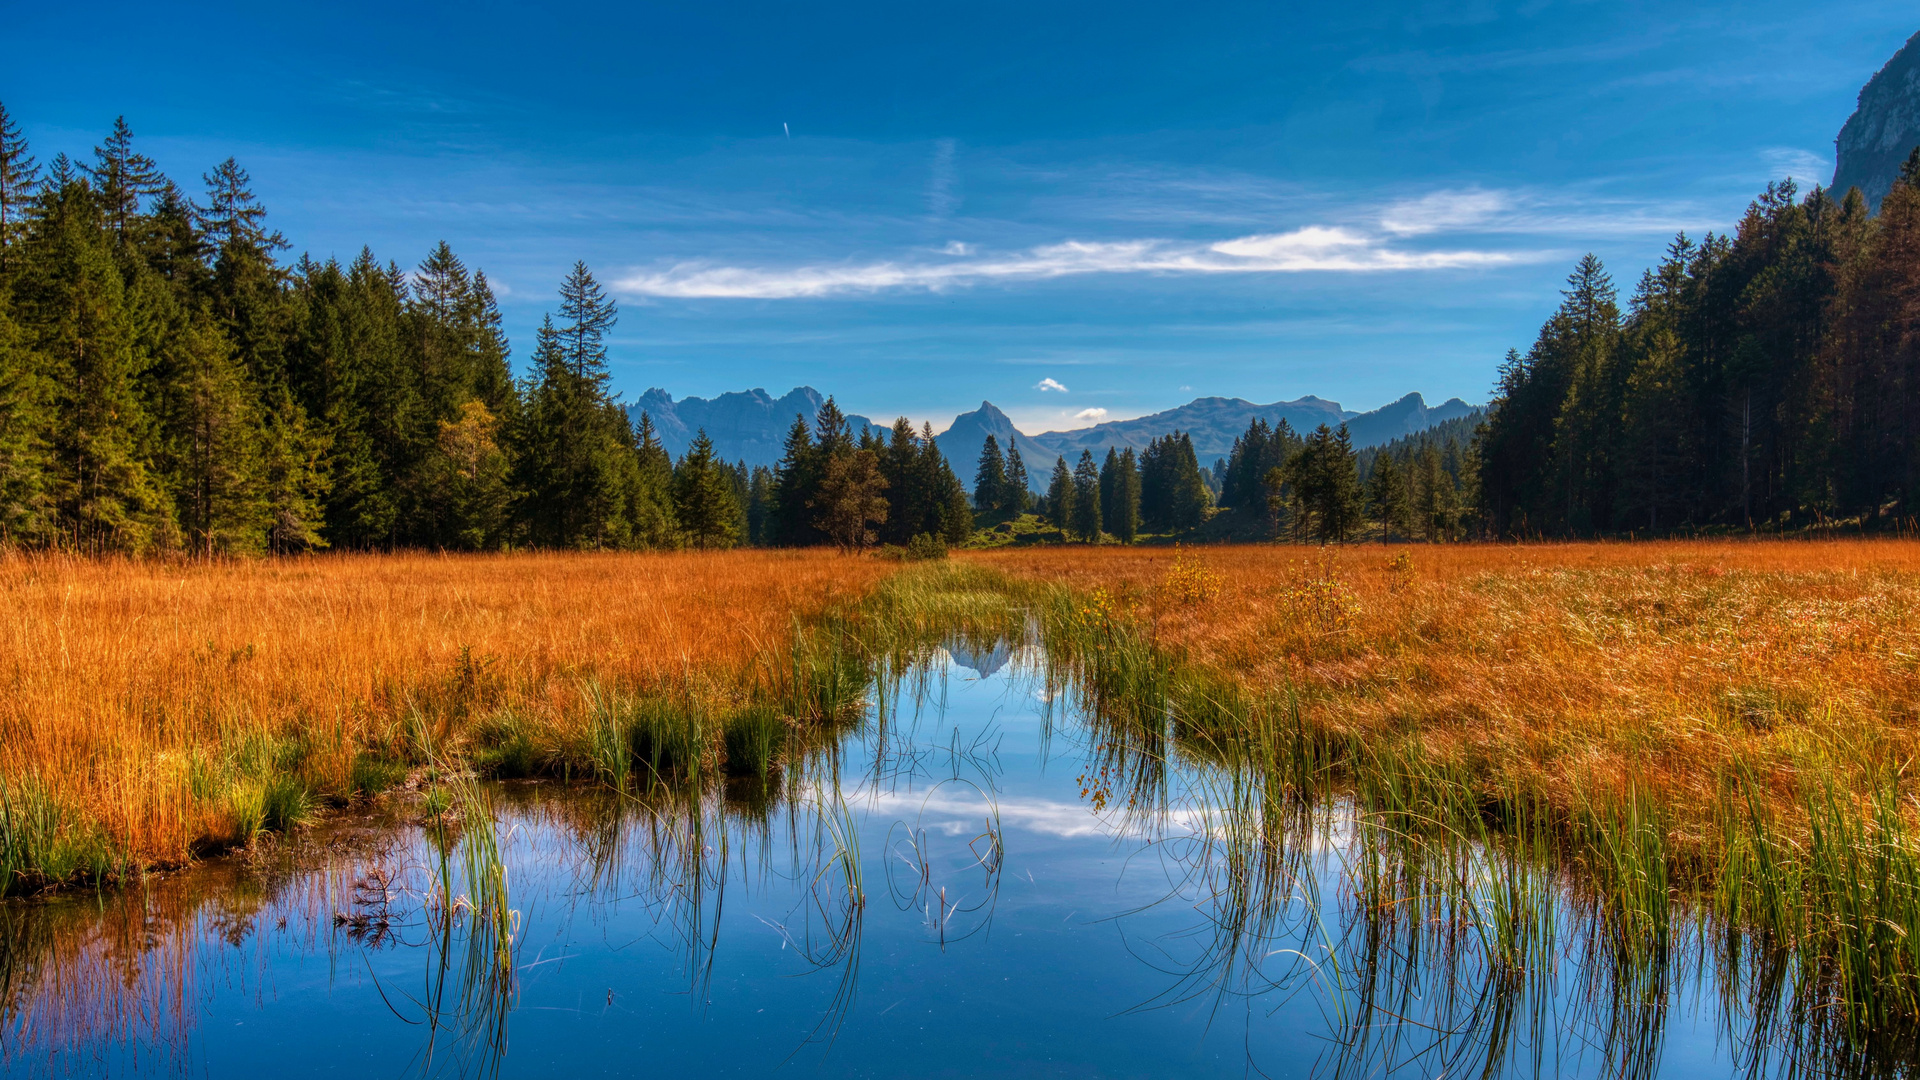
<point x="1883" y="130"/>
<point x="751" y="425"/>
<point x="745" y="425"/>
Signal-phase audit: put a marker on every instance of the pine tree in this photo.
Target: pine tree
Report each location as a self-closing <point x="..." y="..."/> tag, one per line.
<point x="1086" y="498"/>
<point x="295" y="480"/>
<point x="1060" y="497"/>
<point x="1120" y="497"/>
<point x="1019" y="496"/>
<point x="472" y="476"/>
<point x="19" y="177"/>
<point x="796" y="478"/>
<point x="655" y="524"/>
<point x="704" y="500"/>
<point x="760" y="506"/>
<point x="72" y="306"/>
<point x="123" y="177"/>
<point x="1386" y="494"/>
<point x="222" y="470"/>
<point x="990" y="479"/>
<point x="850" y="500"/>
<point x="26" y="438"/>
<point x="246" y="282"/>
<point x="588" y="316"/>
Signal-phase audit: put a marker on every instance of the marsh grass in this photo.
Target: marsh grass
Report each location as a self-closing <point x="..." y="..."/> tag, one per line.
<point x="1673" y="744"/>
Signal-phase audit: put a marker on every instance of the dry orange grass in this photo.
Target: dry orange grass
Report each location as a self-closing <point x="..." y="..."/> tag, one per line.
<point x="1570" y="668"/>
<point x="119" y="676"/>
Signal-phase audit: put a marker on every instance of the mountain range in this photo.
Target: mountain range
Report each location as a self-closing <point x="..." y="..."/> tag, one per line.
<point x="751" y="426"/>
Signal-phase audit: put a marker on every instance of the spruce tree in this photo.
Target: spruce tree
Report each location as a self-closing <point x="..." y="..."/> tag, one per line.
<point x="123" y="177"/>
<point x="704" y="500"/>
<point x="1060" y="497"/>
<point x="850" y="500"/>
<point x="990" y="479"/>
<point x="796" y="478"/>
<point x="760" y="506"/>
<point x="655" y="524"/>
<point x="296" y="479"/>
<point x="1386" y="494"/>
<point x="1086" y="498"/>
<point x="222" y="469"/>
<point x="26" y="440"/>
<point x="1019" y="496"/>
<point x="19" y="177"/>
<point x="1120" y="501"/>
<point x="72" y="307"/>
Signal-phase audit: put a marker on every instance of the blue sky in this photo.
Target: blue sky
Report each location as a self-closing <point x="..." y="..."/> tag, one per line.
<point x="915" y="207"/>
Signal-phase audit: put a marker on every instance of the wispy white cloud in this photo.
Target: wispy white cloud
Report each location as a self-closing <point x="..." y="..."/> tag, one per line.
<point x="1096" y="415"/>
<point x="1442" y="210"/>
<point x="1784" y="162"/>
<point x="1313" y="248"/>
<point x="1045" y="385"/>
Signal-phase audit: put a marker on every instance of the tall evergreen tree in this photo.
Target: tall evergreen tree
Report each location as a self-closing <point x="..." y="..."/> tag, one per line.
<point x="1060" y="497"/>
<point x="704" y="500"/>
<point x="850" y="499"/>
<point x="1386" y="493"/>
<point x="123" y="177"/>
<point x="26" y="440"/>
<point x="1086" y="498"/>
<point x="72" y="304"/>
<point x="990" y="479"/>
<point x="1019" y="496"/>
<point x="19" y="178"/>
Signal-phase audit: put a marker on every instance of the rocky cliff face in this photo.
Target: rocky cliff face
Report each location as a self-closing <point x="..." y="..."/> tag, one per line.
<point x="1883" y="130"/>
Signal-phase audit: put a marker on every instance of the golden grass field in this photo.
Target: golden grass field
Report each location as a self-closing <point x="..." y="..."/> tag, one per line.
<point x="127" y="681"/>
<point x="1668" y="666"/>
<point x="1574" y="669"/>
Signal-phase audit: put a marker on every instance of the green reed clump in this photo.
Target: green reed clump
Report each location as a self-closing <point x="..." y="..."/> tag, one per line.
<point x="754" y="738"/>
<point x="42" y="844"/>
<point x="504" y="746"/>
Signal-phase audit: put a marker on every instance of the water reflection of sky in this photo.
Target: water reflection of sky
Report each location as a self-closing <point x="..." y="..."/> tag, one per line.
<point x="1009" y="929"/>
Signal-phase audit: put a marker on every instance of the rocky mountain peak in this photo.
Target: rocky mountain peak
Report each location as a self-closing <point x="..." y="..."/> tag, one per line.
<point x="1885" y="128"/>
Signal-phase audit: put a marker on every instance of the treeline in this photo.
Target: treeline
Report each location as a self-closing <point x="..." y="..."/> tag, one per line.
<point x="1160" y="490"/>
<point x="1763" y="380"/>
<point x="167" y="383"/>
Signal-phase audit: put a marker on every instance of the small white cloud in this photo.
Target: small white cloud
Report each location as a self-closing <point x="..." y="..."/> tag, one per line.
<point x="955" y="247"/>
<point x="1313" y="243"/>
<point x="1186" y="389"/>
<point x="1096" y="415"/>
<point x="1443" y="210"/>
<point x="1045" y="385"/>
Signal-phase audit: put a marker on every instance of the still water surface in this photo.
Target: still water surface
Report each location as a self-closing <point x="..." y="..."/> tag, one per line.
<point x="1019" y="918"/>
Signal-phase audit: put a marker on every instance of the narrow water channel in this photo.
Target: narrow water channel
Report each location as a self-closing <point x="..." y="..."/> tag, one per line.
<point x="976" y="882"/>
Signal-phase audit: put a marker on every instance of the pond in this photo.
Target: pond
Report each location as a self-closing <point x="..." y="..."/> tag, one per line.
<point x="978" y="879"/>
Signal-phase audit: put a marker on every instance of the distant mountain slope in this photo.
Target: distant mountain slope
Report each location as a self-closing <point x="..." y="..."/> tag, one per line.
<point x="1884" y="129"/>
<point x="747" y="426"/>
<point x="1213" y="424"/>
<point x="961" y="442"/>
<point x="752" y="425"/>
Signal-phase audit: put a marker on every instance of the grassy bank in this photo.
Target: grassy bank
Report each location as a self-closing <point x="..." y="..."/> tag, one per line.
<point x="1716" y="732"/>
<point x="158" y="710"/>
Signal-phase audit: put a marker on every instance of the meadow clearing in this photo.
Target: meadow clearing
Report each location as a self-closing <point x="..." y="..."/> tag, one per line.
<point x="1680" y="730"/>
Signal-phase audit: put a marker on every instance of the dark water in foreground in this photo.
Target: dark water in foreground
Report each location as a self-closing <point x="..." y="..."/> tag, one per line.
<point x="1020" y="919"/>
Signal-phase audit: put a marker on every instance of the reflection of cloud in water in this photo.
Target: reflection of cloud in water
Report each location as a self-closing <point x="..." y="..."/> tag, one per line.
<point x="983" y="664"/>
<point x="957" y="814"/>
